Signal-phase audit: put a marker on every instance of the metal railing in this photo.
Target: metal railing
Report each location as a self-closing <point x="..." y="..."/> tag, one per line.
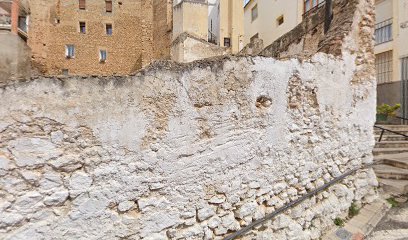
<point x="383" y="130"/>
<point x="383" y="31"/>
<point x="296" y="202"/>
<point x="211" y="37"/>
<point x="313" y="9"/>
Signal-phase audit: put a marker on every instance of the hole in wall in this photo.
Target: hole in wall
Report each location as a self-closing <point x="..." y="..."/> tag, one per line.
<point x="263" y="102"/>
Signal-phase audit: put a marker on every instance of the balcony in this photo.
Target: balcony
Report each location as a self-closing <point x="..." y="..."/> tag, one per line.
<point x="383" y="32"/>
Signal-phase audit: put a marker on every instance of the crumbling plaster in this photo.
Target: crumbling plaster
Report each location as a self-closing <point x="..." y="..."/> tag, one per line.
<point x="191" y="151"/>
<point x="181" y="151"/>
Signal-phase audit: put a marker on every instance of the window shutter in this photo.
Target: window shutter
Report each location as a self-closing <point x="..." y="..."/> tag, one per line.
<point x="108" y="6"/>
<point x="81" y="4"/>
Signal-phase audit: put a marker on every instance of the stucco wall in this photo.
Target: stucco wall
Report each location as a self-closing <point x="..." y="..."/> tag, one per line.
<point x="191" y="151"/>
<point x="187" y="48"/>
<point x="14" y="58"/>
<point x="266" y="23"/>
<point x="188" y="151"/>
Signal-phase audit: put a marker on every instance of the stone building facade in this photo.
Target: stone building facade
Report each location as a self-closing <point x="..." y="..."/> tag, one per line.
<point x="98" y="37"/>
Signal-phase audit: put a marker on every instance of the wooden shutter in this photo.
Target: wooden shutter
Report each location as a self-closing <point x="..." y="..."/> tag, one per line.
<point x="81" y="4"/>
<point x="108" y="6"/>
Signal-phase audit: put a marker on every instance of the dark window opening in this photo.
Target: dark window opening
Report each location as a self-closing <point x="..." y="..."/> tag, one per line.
<point x="227" y="42"/>
<point x="280" y="20"/>
<point x="109" y="30"/>
<point x="82" y="27"/>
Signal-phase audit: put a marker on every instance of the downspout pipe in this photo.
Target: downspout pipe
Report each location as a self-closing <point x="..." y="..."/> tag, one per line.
<point x="328" y="16"/>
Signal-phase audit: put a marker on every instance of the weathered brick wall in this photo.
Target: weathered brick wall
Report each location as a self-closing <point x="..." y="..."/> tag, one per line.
<point x="163" y="25"/>
<point x="131" y="46"/>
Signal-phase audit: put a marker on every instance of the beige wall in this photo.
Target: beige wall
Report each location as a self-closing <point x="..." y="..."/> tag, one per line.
<point x="191" y="17"/>
<point x="268" y="12"/>
<point x="231" y="24"/>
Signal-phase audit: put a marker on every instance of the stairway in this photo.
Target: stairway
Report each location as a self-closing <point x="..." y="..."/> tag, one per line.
<point x="391" y="154"/>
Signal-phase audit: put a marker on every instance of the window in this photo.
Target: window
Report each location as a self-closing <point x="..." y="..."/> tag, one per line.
<point x="383" y="31"/>
<point x="254" y="12"/>
<point x="82" y="4"/>
<point x="65" y="72"/>
<point x="280" y="20"/>
<point x="108" y="5"/>
<point x="310" y="4"/>
<point x="383" y="65"/>
<point x="253" y="38"/>
<point x="102" y="55"/>
<point x="82" y="28"/>
<point x="227" y="42"/>
<point x="69" y="51"/>
<point x="109" y="29"/>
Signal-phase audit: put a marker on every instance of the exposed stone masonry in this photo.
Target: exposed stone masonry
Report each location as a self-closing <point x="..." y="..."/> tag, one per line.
<point x="191" y="151"/>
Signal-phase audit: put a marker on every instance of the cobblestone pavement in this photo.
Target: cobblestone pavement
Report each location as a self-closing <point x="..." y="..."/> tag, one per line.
<point x="394" y="226"/>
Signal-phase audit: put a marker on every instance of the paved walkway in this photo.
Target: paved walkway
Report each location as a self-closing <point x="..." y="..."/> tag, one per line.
<point x="394" y="226"/>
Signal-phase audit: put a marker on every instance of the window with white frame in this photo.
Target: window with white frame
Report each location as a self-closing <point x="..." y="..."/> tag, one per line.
<point x="102" y="55"/>
<point x="69" y="51"/>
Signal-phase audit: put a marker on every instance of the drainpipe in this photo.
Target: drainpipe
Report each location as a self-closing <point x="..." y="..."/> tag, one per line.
<point x="328" y="16"/>
<point x="14" y="16"/>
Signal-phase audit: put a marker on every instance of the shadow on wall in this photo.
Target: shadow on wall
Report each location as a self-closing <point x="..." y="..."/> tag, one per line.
<point x="14" y="58"/>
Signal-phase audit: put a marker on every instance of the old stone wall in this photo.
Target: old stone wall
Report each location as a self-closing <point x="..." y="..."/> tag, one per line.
<point x="191" y="151"/>
<point x="140" y="35"/>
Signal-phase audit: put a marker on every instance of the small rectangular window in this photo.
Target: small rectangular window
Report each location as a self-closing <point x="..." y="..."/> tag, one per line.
<point x="109" y="30"/>
<point x="65" y="72"/>
<point x="254" y="12"/>
<point x="280" y="20"/>
<point x="102" y="55"/>
<point x="69" y="51"/>
<point x="82" y="27"/>
<point x="82" y="4"/>
<point x="227" y="42"/>
<point x="108" y="6"/>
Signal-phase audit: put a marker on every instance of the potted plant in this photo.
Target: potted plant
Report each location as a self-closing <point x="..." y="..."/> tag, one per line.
<point x="385" y="110"/>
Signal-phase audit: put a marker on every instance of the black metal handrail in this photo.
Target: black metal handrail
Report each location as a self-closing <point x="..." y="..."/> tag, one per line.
<point x="402" y="118"/>
<point x="296" y="202"/>
<point x="388" y="130"/>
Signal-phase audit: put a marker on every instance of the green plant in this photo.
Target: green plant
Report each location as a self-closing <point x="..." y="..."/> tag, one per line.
<point x="339" y="222"/>
<point x="392" y="202"/>
<point x="388" y="110"/>
<point x="353" y="210"/>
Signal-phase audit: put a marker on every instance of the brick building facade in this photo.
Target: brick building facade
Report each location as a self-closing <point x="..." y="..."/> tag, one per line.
<point x="98" y="37"/>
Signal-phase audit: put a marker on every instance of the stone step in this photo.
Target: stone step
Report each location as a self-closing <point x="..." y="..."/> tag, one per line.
<point x="392" y="144"/>
<point x="394" y="127"/>
<point x="378" y="132"/>
<point x="391" y="137"/>
<point x="395" y="187"/>
<point x="389" y="172"/>
<point x="383" y="151"/>
<point x="396" y="160"/>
